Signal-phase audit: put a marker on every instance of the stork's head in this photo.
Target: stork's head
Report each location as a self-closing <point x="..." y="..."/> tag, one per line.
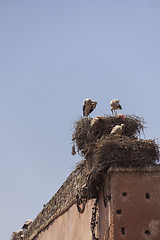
<point x="123" y="127"/>
<point x="94" y="103"/>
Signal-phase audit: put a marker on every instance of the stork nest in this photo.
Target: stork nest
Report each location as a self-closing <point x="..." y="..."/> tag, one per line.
<point x="119" y="151"/>
<point x="102" y="150"/>
<point x="88" y="130"/>
<point x="122" y="151"/>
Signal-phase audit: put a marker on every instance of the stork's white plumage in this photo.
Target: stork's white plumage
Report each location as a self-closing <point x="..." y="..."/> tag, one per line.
<point x="95" y="120"/>
<point x="88" y="106"/>
<point x="18" y="234"/>
<point x="115" y="105"/>
<point x="118" y="129"/>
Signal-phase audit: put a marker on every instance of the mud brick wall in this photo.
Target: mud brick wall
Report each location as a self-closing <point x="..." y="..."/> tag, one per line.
<point x="62" y="200"/>
<point x="130" y="204"/>
<point x="128" y="207"/>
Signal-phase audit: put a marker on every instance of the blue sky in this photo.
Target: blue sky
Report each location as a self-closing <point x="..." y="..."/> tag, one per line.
<point x="53" y="55"/>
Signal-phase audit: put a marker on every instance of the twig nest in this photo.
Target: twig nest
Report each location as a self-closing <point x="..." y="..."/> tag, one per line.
<point x="89" y="130"/>
<point x="125" y="152"/>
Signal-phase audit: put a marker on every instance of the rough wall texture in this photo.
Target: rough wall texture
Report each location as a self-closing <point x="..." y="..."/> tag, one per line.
<point x="128" y="208"/>
<point x="134" y="204"/>
<point x="70" y="225"/>
<point x="62" y="200"/>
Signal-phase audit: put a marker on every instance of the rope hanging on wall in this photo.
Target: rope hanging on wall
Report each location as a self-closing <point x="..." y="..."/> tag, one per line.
<point x="81" y="202"/>
<point x="94" y="223"/>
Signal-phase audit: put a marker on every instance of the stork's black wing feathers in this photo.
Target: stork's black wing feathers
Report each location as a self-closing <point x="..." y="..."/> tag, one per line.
<point x="84" y="110"/>
<point x="91" y="109"/>
<point x="119" y="106"/>
<point x="25" y="226"/>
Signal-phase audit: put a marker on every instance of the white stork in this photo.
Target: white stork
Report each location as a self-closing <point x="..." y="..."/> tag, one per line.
<point x="26" y="224"/>
<point x="18" y="234"/>
<point x="88" y="106"/>
<point x="115" y="105"/>
<point x="118" y="129"/>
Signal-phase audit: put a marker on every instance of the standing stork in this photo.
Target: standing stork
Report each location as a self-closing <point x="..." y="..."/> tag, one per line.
<point x="115" y="105"/>
<point x="88" y="106"/>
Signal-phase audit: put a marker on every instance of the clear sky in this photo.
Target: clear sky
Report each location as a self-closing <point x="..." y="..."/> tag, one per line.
<point x="53" y="55"/>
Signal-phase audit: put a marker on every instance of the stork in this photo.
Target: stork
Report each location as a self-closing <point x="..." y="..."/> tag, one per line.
<point x="118" y="129"/>
<point x="26" y="224"/>
<point x="115" y="105"/>
<point x="88" y="106"/>
<point x="18" y="234"/>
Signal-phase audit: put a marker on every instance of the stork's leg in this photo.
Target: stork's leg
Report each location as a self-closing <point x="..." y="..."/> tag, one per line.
<point x="112" y="112"/>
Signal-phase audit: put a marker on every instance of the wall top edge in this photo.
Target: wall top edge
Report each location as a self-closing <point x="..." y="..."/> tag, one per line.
<point x="155" y="168"/>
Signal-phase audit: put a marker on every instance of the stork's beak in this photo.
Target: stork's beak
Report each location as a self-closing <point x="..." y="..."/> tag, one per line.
<point x="123" y="117"/>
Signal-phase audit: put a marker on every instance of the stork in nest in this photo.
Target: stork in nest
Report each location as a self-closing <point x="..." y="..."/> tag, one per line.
<point x="118" y="130"/>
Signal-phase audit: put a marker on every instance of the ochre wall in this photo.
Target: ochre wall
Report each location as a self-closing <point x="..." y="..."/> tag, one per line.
<point x="71" y="225"/>
<point x="128" y="208"/>
<point x="135" y="204"/>
<point x="129" y="205"/>
<point x="104" y="210"/>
